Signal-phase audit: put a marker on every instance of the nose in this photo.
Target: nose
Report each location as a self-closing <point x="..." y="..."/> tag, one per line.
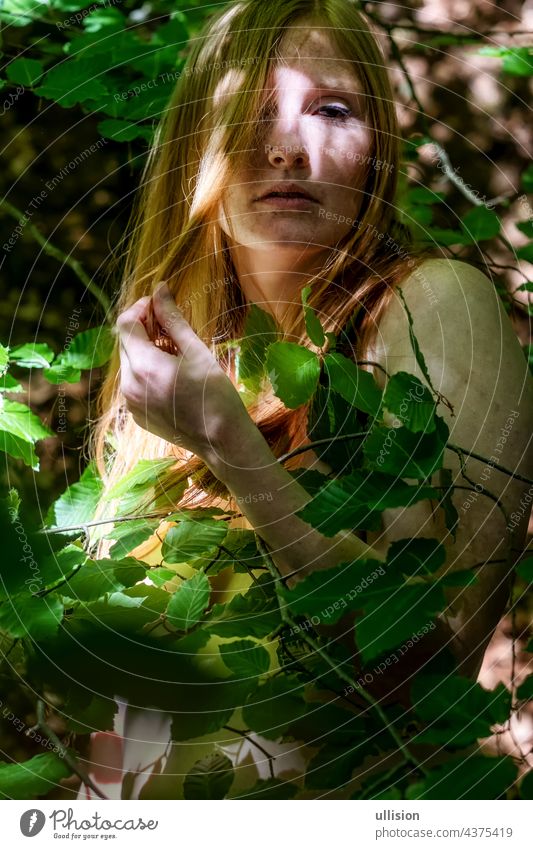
<point x="292" y="154"/>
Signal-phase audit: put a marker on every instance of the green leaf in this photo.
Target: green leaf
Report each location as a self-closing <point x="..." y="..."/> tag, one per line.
<point x="525" y="570"/>
<point x="33" y="778"/>
<point x="481" y="223"/>
<point x="293" y="372"/>
<point x="331" y="417"/>
<point x="525" y="690"/>
<point x="356" y="501"/>
<point x="24" y="71"/>
<point x="424" y="195"/>
<point x="356" y="386"/>
<point x="457" y="710"/>
<point x="274" y="705"/>
<point x="89" y="349"/>
<point x="97" y="577"/>
<point x="77" y="504"/>
<point x="526" y="227"/>
<point x="332" y="766"/>
<point x="98" y="715"/>
<point x="446" y="237"/>
<point x="4" y="361"/>
<point x="189" y="539"/>
<point x="128" y="535"/>
<point x="19" y="449"/>
<point x="189" y="602"/>
<point x="31" y="616"/>
<point x="245" y="658"/>
<point x="328" y="594"/>
<point x="18" y="420"/>
<point x="210" y="778"/>
<point x="411" y="401"/>
<point x="518" y="61"/>
<point x="400" y="452"/>
<point x="32" y="355"/>
<point x="415" y="556"/>
<point x="123" y="131"/>
<point x="526" y="252"/>
<point x="255" y="614"/>
<point x="260" y="330"/>
<point x="135" y="489"/>
<point x="313" y="325"/>
<point x="389" y="622"/>
<point x="527" y="178"/>
<point x="69" y="83"/>
<point x="473" y="777"/>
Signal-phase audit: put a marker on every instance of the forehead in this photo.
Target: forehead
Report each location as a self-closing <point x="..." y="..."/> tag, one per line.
<point x="310" y="50"/>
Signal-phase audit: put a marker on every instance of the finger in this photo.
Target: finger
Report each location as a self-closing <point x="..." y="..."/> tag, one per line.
<point x="173" y="322"/>
<point x="130" y="328"/>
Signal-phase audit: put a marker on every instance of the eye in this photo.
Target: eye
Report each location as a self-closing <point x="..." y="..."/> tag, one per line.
<point x="337" y="112"/>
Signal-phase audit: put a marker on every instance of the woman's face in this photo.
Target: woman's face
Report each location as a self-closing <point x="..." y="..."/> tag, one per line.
<point x="317" y="140"/>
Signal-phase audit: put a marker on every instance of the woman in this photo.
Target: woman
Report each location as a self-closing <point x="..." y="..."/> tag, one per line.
<point x="276" y="167"/>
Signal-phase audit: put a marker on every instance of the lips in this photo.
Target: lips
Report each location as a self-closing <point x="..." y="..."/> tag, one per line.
<point x="286" y="190"/>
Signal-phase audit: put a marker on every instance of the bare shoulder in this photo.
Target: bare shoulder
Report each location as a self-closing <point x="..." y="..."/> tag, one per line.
<point x="447" y="299"/>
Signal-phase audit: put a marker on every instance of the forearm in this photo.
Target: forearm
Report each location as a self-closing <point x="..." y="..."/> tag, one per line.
<point x="270" y="497"/>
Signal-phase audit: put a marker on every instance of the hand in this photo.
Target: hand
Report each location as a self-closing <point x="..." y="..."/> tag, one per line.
<point x="185" y="398"/>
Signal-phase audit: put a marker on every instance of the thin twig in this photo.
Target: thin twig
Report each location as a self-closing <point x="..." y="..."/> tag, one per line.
<point x="458" y="450"/>
<point x="62" y="257"/>
<point x="313" y="644"/>
<point x="246" y="735"/>
<point x="65" y="754"/>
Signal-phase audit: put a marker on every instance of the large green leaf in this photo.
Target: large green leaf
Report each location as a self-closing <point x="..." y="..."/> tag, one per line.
<point x="260" y="330"/>
<point x="293" y="372"/>
<point x="356" y="386"/>
<point x="89" y="349"/>
<point x="128" y="535"/>
<point x="24" y="71"/>
<point x="274" y="705"/>
<point x="31" y="616"/>
<point x="255" y="614"/>
<point x="97" y="577"/>
<point x="189" y="602"/>
<point x="313" y="325"/>
<point x="245" y="658"/>
<point x="78" y="503"/>
<point x="400" y="452"/>
<point x="36" y="777"/>
<point x="71" y="82"/>
<point x="330" y="416"/>
<point x="457" y="710"/>
<point x="481" y="223"/>
<point x="189" y="539"/>
<point x="18" y="420"/>
<point x="356" y="501"/>
<point x="404" y="614"/>
<point x="413" y="404"/>
<point x="32" y="355"/>
<point x="327" y="594"/>
<point x="210" y="778"/>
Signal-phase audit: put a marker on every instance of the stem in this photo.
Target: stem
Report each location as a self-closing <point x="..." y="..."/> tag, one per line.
<point x="313" y="644"/>
<point x="65" y="754"/>
<point x="457" y="450"/>
<point x="62" y="257"/>
<point x="246" y="735"/>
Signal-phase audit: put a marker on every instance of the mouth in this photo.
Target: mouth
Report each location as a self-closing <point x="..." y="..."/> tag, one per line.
<point x="288" y="192"/>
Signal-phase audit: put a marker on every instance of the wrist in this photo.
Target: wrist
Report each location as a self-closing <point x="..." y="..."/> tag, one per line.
<point x="239" y="450"/>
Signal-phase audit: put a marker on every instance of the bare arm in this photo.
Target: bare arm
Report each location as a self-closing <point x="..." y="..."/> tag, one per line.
<point x="269" y="497"/>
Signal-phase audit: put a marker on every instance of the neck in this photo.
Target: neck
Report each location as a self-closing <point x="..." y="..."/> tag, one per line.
<point x="274" y="277"/>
